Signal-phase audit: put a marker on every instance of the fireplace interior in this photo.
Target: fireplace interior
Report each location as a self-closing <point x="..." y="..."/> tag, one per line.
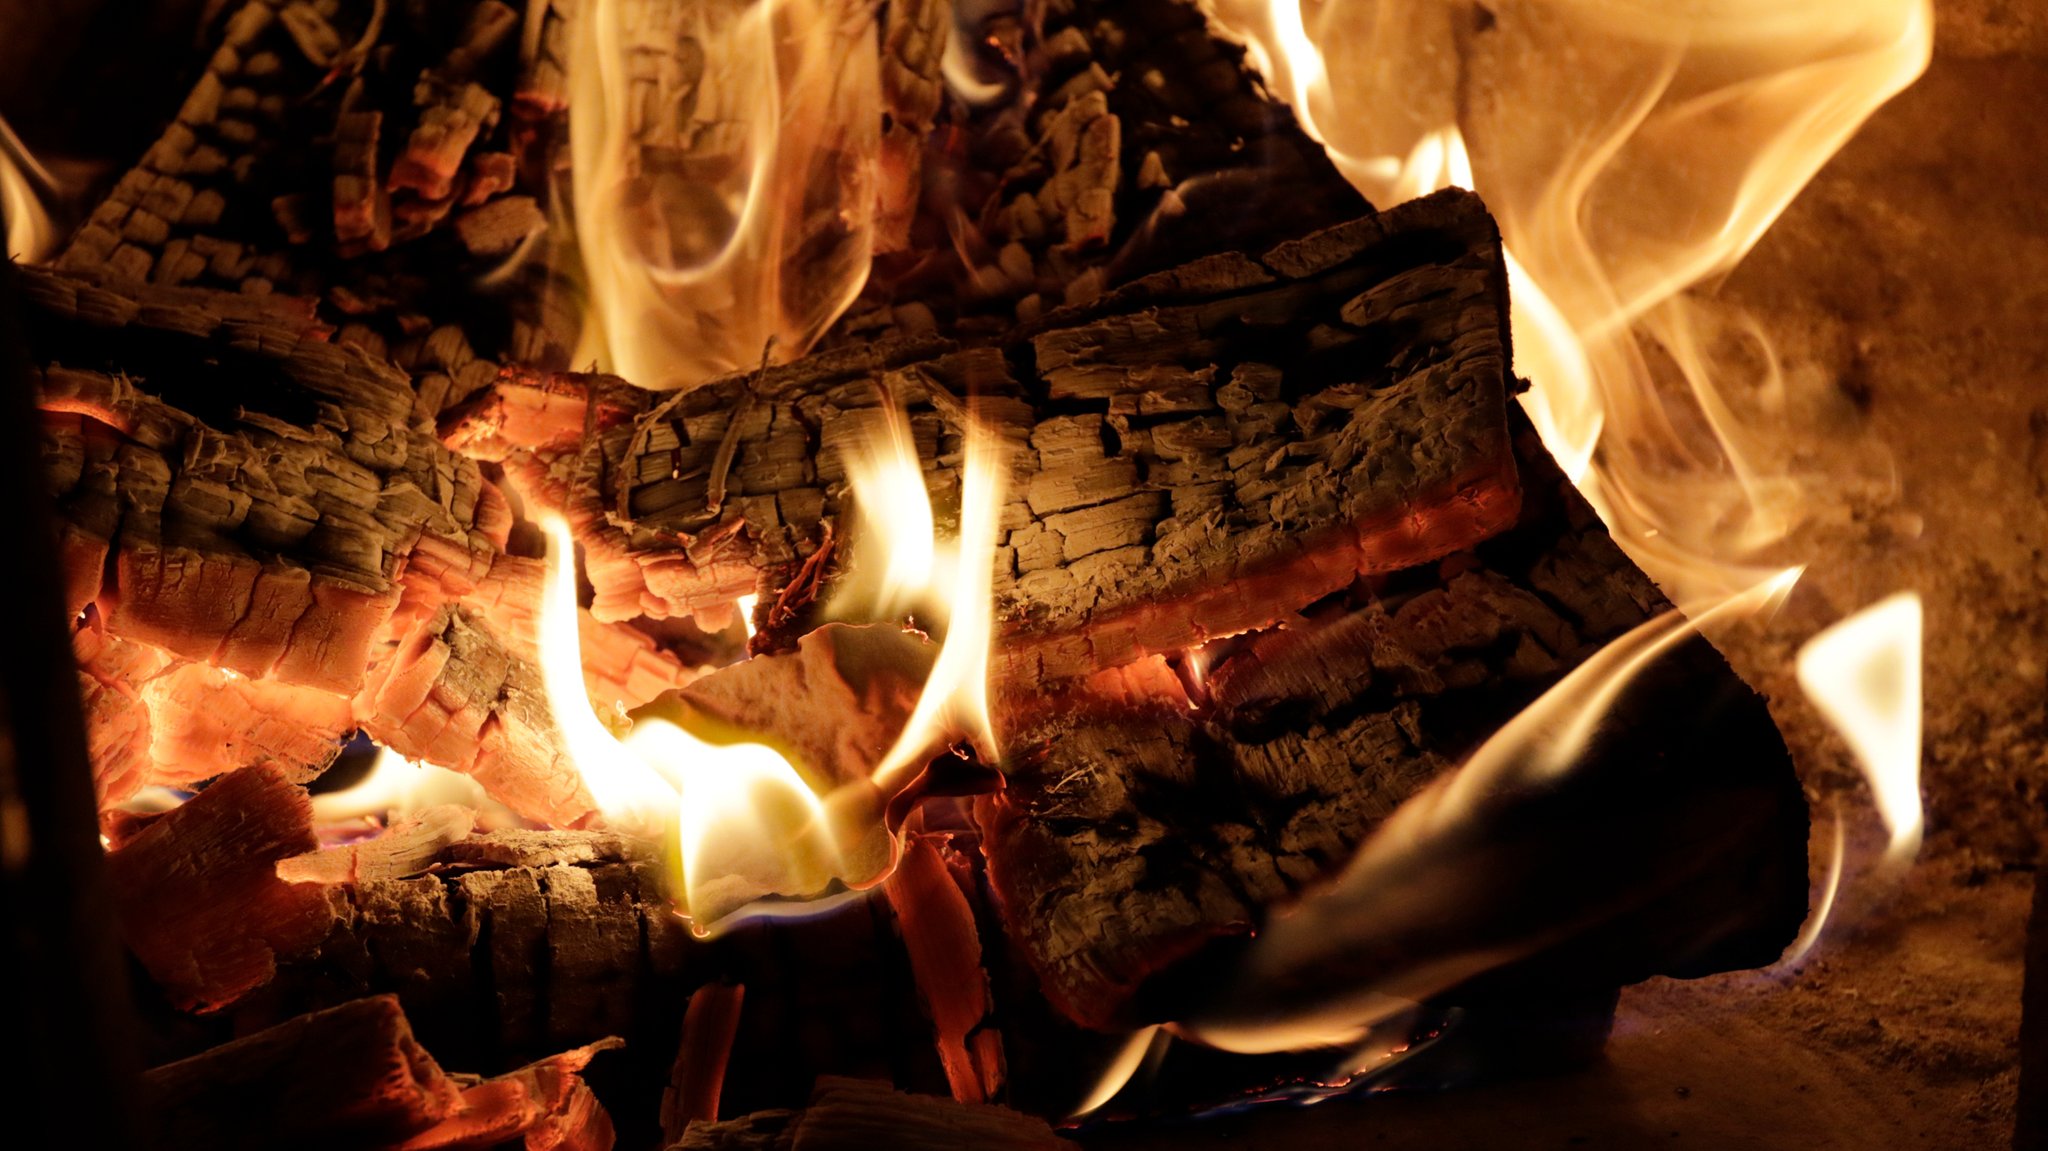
<point x="946" y="573"/>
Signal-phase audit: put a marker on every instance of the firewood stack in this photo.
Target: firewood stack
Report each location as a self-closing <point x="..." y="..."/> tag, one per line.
<point x="1276" y="552"/>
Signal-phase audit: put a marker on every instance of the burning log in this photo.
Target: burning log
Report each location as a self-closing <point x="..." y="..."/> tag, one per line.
<point x="354" y="1076"/>
<point x="1201" y="822"/>
<point x="205" y="721"/>
<point x="451" y="694"/>
<point x="859" y="1114"/>
<point x="111" y="674"/>
<point x="709" y="1025"/>
<point x="1245" y="436"/>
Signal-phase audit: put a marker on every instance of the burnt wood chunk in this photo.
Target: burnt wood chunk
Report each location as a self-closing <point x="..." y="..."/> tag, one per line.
<point x="507" y="943"/>
<point x="1137" y="839"/>
<point x="198" y="897"/>
<point x="1200" y="453"/>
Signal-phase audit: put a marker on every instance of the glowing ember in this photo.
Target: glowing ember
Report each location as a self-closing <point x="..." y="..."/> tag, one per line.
<point x="1421" y="861"/>
<point x="1864" y="676"/>
<point x="745" y="822"/>
<point x="1628" y="153"/>
<point x="397" y="786"/>
<point x="704" y="137"/>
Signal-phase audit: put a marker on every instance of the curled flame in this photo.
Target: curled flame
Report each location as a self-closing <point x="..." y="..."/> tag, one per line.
<point x="1629" y="152"/>
<point x="724" y="156"/>
<point x="397" y="786"/>
<point x="1863" y="674"/>
<point x="24" y="184"/>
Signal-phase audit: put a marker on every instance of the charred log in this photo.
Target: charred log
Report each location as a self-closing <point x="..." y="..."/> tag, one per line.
<point x="1135" y="843"/>
<point x="1203" y="452"/>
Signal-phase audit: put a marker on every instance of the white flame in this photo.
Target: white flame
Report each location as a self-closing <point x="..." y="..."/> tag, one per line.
<point x="1864" y="676"/>
<point x="895" y="558"/>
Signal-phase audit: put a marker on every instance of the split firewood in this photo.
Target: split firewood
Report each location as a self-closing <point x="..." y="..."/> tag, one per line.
<point x="1215" y="447"/>
<point x="451" y="694"/>
<point x="506" y="942"/>
<point x="353" y="1076"/>
<point x="205" y="721"/>
<point x="861" y="1114"/>
<point x="405" y="849"/>
<point x="197" y="895"/>
<point x="1207" y="812"/>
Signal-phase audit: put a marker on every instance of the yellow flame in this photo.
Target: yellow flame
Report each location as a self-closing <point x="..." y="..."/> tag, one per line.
<point x="1863" y="674"/>
<point x="745" y="822"/>
<point x="398" y="786"/>
<point x="955" y="698"/>
<point x="723" y="162"/>
<point x="1629" y="152"/>
<point x="747" y="603"/>
<point x="31" y="234"/>
<point x="895" y="561"/>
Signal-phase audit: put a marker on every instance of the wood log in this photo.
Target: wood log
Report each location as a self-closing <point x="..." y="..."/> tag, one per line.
<point x="860" y="1114"/>
<point x="509" y="943"/>
<point x="452" y="694"/>
<point x="937" y="921"/>
<point x="545" y="1104"/>
<point x="1135" y="842"/>
<point x="1209" y="449"/>
<point x="205" y="721"/>
<point x="197" y="894"/>
<point x="111" y="675"/>
<point x="308" y="540"/>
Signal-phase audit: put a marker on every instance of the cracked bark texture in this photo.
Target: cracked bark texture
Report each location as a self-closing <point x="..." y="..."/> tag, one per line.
<point x="1199" y="453"/>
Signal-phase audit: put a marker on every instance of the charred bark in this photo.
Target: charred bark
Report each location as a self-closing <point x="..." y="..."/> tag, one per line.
<point x="1135" y="843"/>
<point x="1203" y="452"/>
